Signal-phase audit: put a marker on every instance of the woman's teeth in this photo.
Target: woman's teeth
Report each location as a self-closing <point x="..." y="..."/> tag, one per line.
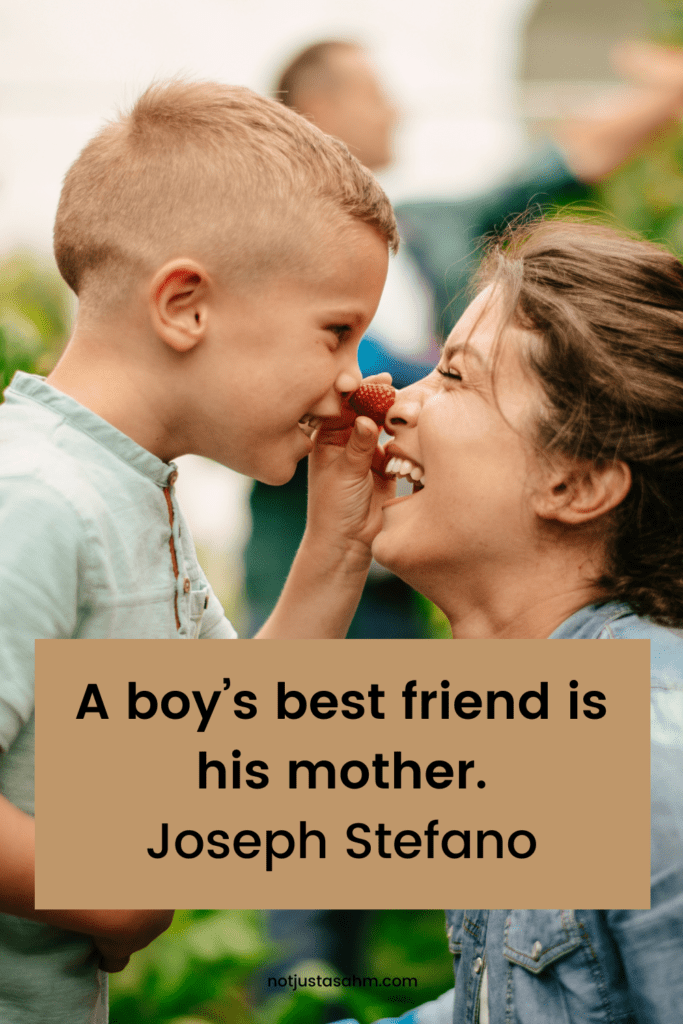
<point x="309" y="424"/>
<point x="404" y="468"/>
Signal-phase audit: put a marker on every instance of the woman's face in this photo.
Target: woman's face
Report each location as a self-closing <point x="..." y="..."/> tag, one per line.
<point x="472" y="444"/>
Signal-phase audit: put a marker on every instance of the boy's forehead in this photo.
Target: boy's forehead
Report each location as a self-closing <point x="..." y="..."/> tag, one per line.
<point x="343" y="278"/>
<point x="352" y="250"/>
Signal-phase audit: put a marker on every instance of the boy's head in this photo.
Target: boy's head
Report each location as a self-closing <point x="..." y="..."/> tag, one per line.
<point x="228" y="257"/>
<point x="210" y="171"/>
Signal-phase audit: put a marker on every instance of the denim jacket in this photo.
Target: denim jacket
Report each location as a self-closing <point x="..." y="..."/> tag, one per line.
<point x="588" y="966"/>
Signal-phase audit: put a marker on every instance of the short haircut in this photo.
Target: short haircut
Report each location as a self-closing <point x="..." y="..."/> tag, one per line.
<point x="607" y="309"/>
<point x="212" y="172"/>
<point x="310" y="70"/>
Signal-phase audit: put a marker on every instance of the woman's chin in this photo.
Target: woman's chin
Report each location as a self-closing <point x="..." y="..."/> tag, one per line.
<point x="390" y="555"/>
<point x="421" y="569"/>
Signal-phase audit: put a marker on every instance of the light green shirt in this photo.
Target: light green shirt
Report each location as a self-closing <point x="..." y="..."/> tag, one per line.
<point x="92" y="545"/>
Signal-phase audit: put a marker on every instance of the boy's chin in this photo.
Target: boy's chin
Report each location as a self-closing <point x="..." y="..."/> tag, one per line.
<point x="279" y="465"/>
<point x="276" y="477"/>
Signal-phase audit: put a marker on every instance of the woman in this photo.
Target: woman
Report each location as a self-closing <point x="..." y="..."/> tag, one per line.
<point x="547" y="450"/>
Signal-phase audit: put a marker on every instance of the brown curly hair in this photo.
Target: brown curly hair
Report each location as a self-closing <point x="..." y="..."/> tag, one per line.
<point x="609" y="310"/>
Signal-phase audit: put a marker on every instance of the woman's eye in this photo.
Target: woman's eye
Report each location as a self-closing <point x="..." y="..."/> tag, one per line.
<point x="452" y="374"/>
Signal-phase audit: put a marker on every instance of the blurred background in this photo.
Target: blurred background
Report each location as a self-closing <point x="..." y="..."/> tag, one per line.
<point x="477" y="87"/>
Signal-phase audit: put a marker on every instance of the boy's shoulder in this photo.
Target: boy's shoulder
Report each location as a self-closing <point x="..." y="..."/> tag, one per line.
<point x="36" y="469"/>
<point x="56" y="450"/>
<point x="86" y="516"/>
<point x="70" y="499"/>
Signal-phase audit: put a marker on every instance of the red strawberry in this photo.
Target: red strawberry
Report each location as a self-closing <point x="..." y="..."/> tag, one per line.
<point x="373" y="400"/>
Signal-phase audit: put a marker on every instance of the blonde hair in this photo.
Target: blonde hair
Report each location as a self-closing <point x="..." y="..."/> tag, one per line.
<point x="209" y="171"/>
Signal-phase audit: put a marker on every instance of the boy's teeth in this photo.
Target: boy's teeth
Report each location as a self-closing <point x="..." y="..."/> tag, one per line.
<point x="404" y="468"/>
<point x="309" y="424"/>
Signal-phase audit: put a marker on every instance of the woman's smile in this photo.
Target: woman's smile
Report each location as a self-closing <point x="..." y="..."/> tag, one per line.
<point x="463" y="446"/>
<point x="402" y="467"/>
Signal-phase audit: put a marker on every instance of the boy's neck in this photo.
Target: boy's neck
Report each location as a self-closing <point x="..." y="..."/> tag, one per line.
<point x="106" y="370"/>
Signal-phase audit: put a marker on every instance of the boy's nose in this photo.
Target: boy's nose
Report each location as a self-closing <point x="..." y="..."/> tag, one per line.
<point x="349" y="377"/>
<point x="406" y="409"/>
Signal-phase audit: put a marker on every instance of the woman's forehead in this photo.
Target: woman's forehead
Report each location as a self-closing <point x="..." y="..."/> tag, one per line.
<point x="495" y="349"/>
<point x="480" y="331"/>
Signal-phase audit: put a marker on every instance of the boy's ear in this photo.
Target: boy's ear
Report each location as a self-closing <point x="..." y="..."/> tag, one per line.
<point x="178" y="304"/>
<point x="580" y="491"/>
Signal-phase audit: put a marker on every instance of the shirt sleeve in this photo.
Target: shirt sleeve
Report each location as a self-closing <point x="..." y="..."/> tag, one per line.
<point x="215" y="624"/>
<point x="39" y="562"/>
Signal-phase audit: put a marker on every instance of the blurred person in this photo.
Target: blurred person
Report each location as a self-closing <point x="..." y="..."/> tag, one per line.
<point x="334" y="84"/>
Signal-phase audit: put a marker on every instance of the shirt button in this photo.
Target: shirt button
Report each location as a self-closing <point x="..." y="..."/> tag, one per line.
<point x="173" y="477"/>
<point x="186" y="586"/>
<point x="477" y="965"/>
<point x="536" y="950"/>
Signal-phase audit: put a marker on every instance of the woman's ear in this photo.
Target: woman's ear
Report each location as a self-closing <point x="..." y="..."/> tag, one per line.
<point x="178" y="304"/>
<point x="581" y="491"/>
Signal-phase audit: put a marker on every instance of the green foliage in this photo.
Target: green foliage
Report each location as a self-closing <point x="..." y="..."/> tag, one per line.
<point x="201" y="969"/>
<point x="646" y="195"/>
<point x="405" y="944"/>
<point x="438" y="626"/>
<point x="34" y="315"/>
<point x="196" y="971"/>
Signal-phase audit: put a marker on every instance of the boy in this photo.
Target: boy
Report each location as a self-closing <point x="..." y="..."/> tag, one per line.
<point x="227" y="257"/>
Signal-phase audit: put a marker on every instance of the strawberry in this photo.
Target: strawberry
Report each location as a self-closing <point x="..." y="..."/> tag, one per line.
<point x="373" y="400"/>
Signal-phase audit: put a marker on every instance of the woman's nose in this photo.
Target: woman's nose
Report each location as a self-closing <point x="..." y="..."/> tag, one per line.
<point x="406" y="408"/>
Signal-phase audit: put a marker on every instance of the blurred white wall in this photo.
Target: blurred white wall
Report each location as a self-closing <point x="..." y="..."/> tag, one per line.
<point x="65" y="66"/>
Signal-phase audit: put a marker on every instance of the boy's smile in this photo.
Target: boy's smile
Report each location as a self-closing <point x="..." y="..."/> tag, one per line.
<point x="277" y="358"/>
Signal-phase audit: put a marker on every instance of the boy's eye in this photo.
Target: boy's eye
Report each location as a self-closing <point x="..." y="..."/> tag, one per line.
<point x="452" y="374"/>
<point x="341" y="330"/>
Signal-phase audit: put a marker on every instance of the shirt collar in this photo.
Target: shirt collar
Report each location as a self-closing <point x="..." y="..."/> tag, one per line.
<point x="35" y="388"/>
<point x="588" y="622"/>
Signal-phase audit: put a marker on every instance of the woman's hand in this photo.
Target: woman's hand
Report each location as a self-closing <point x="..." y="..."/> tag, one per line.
<point x="347" y="488"/>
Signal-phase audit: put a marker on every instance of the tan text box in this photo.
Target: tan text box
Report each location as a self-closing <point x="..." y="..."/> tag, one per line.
<point x="548" y="807"/>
